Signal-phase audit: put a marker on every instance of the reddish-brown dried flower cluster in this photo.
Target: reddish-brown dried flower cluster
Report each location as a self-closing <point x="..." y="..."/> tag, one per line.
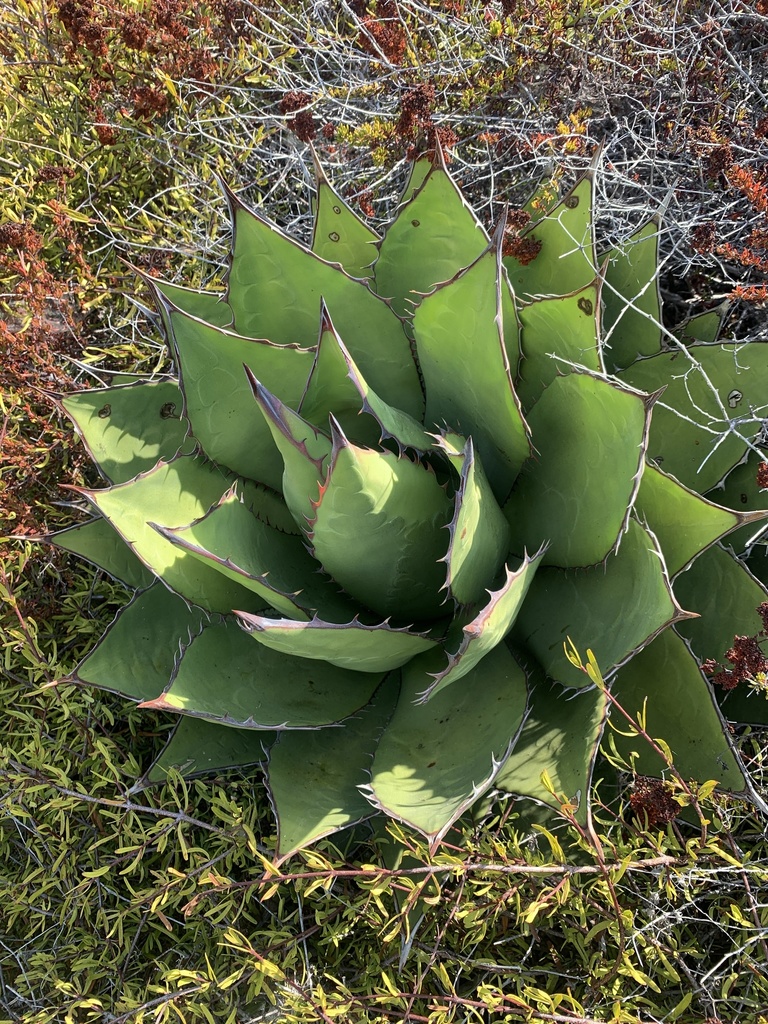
<point x="746" y="657"/>
<point x="716" y="148"/>
<point x="233" y="18"/>
<point x="107" y="134"/>
<point x="522" y="248"/>
<point x="22" y="260"/>
<point x="21" y="237"/>
<point x="762" y="479"/>
<point x="415" y="124"/>
<point x="382" y="33"/>
<point x="651" y="800"/>
<point x="704" y="237"/>
<point x="134" y="31"/>
<point x="440" y="135"/>
<point x="201" y="66"/>
<point x="149" y="100"/>
<point x="303" y="124"/>
<point x="416" y="108"/>
<point x="365" y="203"/>
<point x="720" y="159"/>
<point x="167" y="14"/>
<point x="30" y="358"/>
<point x="54" y="172"/>
<point x="517" y="220"/>
<point x="84" y="26"/>
<point x="181" y="41"/>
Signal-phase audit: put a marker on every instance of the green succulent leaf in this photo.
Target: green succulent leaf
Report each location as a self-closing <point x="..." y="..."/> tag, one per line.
<point x="351" y="645"/>
<point x="435" y="758"/>
<point x="566" y="260"/>
<point x="479" y="534"/>
<point x="99" y="543"/>
<point x="417" y="172"/>
<point x="336" y="386"/>
<point x="273" y="564"/>
<point x="556" y="334"/>
<point x="330" y="388"/>
<point x="433" y="236"/>
<point x="267" y="505"/>
<point x="314" y="778"/>
<point x="486" y="630"/>
<point x="392" y="423"/>
<point x="139" y="651"/>
<point x="740" y="492"/>
<point x="553" y="758"/>
<point x="656" y="683"/>
<point x="305" y="451"/>
<point x="129" y="428"/>
<point x="173" y="494"/>
<point x="630" y="591"/>
<point x="632" y="303"/>
<point x="726" y="596"/>
<point x="705" y="327"/>
<point x="509" y="318"/>
<point x="226" y="678"/>
<point x="453" y="447"/>
<point x="275" y="289"/>
<point x="464" y="363"/>
<point x="196" y="747"/>
<point x="757" y="563"/>
<point x="714" y="399"/>
<point x="218" y="400"/>
<point x="211" y="307"/>
<point x="683" y="521"/>
<point x="339" y="235"/>
<point x="378" y="531"/>
<point x="576" y="493"/>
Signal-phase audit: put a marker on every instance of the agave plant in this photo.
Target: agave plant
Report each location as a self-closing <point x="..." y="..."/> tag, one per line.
<point x="392" y="475"/>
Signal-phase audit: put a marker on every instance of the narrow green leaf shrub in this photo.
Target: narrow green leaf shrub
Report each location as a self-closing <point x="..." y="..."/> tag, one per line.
<point x="394" y="472"/>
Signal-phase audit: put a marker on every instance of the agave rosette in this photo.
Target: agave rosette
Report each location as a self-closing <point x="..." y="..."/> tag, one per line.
<point x="394" y="473"/>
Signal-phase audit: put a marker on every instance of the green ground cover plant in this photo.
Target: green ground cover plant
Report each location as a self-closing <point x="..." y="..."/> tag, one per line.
<point x="164" y="905"/>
